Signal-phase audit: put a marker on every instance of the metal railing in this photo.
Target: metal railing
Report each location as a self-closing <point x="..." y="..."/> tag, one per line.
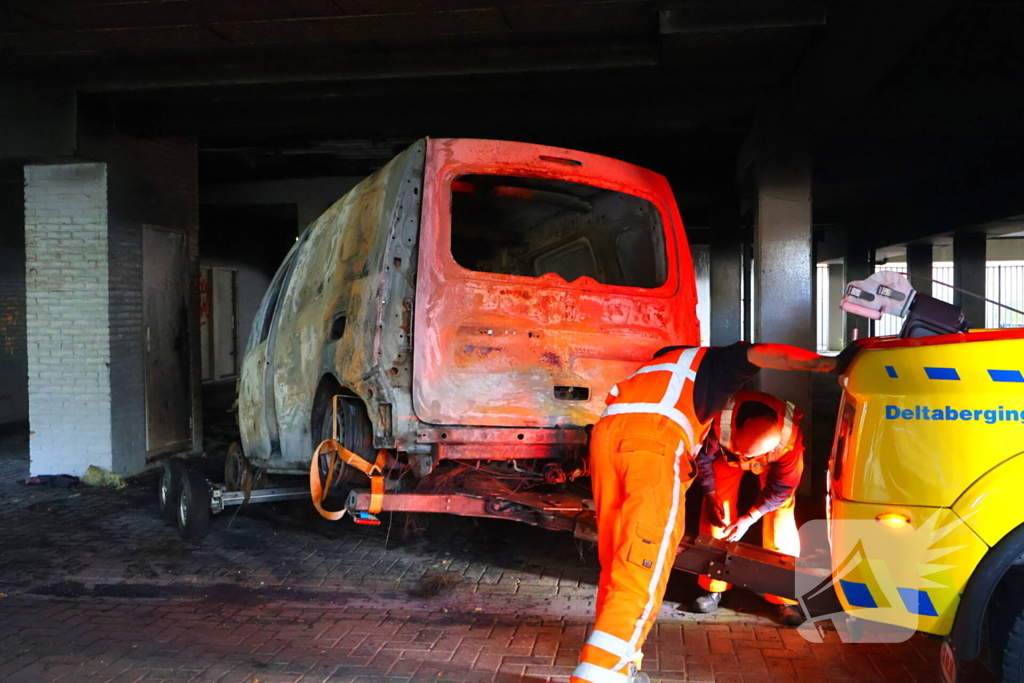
<point x="1004" y="282"/>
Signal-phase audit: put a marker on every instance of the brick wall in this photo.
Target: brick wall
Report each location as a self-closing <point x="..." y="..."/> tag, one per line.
<point x="67" y="320"/>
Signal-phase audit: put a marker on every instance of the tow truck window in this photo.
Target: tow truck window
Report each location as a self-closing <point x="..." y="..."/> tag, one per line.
<point x="530" y="227"/>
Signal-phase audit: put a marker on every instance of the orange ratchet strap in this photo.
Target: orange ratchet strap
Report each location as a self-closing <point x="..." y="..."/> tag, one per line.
<point x="318" y="490"/>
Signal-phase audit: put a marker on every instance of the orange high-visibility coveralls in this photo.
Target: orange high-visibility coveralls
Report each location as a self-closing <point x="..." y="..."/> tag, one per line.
<point x="641" y="460"/>
<point x="779" y="525"/>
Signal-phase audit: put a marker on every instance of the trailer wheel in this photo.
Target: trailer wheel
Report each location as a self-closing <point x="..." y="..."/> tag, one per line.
<point x="194" y="506"/>
<point x="169" y="489"/>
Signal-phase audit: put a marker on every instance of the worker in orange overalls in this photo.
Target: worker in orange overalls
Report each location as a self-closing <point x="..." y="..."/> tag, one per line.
<point x="756" y="433"/>
<point x="641" y="461"/>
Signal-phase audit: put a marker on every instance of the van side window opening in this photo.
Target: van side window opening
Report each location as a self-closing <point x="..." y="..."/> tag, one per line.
<point x="265" y="313"/>
<point x="534" y="226"/>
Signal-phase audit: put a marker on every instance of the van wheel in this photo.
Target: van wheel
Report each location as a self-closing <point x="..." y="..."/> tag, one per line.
<point x="169" y="488"/>
<point x="194" y="506"/>
<point x="355" y="432"/>
<point x="1006" y="629"/>
<point x="1012" y="670"/>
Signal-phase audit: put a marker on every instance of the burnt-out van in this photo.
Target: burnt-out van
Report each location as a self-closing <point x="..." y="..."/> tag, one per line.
<point x="472" y="301"/>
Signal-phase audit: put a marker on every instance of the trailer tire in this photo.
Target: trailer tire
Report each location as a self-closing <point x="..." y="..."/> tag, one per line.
<point x="193" y="506"/>
<point x="168" y="489"/>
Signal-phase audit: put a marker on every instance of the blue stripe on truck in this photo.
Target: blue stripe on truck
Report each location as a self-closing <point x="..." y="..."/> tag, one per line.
<point x="942" y="373"/>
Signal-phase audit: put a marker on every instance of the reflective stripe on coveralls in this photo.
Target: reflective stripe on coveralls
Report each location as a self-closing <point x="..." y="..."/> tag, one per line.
<point x="595" y="674"/>
<point x="636" y="447"/>
<point x="682" y="369"/>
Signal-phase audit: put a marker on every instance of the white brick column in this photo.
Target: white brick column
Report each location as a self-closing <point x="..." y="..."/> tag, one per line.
<point x="67" y="319"/>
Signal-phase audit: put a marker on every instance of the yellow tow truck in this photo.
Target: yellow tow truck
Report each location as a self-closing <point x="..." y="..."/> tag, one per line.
<point x="926" y="486"/>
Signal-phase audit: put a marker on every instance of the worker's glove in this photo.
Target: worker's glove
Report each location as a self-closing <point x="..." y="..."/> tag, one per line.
<point x="739" y="528"/>
<point x="844" y="359"/>
<point x="715" y="510"/>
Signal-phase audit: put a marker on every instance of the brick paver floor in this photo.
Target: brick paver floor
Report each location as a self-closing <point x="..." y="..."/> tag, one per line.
<point x="95" y="587"/>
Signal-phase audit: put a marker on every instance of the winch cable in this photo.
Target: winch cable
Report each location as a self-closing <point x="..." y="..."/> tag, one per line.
<point x="967" y="292"/>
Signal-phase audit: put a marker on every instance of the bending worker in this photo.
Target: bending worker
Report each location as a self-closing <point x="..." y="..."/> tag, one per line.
<point x="641" y="461"/>
<point x="756" y="433"/>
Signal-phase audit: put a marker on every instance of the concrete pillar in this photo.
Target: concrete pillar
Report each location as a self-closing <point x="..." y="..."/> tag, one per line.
<point x="836" y="316"/>
<point x="784" y="306"/>
<point x="919" y="267"/>
<point x="784" y="302"/>
<point x="726" y="275"/>
<point x="67" y="300"/>
<point x="969" y="274"/>
<point x="860" y="264"/>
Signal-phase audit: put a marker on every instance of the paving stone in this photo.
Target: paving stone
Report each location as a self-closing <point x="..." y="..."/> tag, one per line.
<point x="100" y="589"/>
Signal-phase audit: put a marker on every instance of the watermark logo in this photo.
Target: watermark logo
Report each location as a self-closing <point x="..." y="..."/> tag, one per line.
<point x="883" y="574"/>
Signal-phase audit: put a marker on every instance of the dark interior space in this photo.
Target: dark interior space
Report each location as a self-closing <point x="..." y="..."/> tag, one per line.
<point x="254" y="236"/>
<point x="532" y="227"/>
<point x="13" y="358"/>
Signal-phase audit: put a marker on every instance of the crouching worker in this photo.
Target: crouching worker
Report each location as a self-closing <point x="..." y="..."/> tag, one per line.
<point x="642" y="462"/>
<point x="760" y="434"/>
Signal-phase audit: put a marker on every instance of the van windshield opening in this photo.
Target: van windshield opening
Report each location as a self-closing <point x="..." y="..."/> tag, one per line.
<point x="533" y="226"/>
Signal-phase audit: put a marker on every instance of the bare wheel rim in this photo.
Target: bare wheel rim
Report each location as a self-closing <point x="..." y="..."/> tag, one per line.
<point x="165" y="488"/>
<point x="233" y="470"/>
<point x="183" y="504"/>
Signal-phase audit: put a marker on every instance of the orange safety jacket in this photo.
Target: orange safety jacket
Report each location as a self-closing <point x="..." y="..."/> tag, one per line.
<point x="725" y="426"/>
<point x="664" y="386"/>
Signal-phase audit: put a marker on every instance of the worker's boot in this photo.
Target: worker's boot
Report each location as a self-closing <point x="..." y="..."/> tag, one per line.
<point x="637" y="676"/>
<point x="789" y="615"/>
<point x="707" y="603"/>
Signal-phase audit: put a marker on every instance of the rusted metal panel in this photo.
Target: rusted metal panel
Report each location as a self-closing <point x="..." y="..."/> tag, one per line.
<point x="459" y="435"/>
<point x="505" y="451"/>
<point x="525" y="509"/>
<point x="355" y="262"/>
<point x="490" y="348"/>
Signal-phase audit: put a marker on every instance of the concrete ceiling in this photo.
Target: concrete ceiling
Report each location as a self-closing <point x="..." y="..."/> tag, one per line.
<point x="914" y="106"/>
